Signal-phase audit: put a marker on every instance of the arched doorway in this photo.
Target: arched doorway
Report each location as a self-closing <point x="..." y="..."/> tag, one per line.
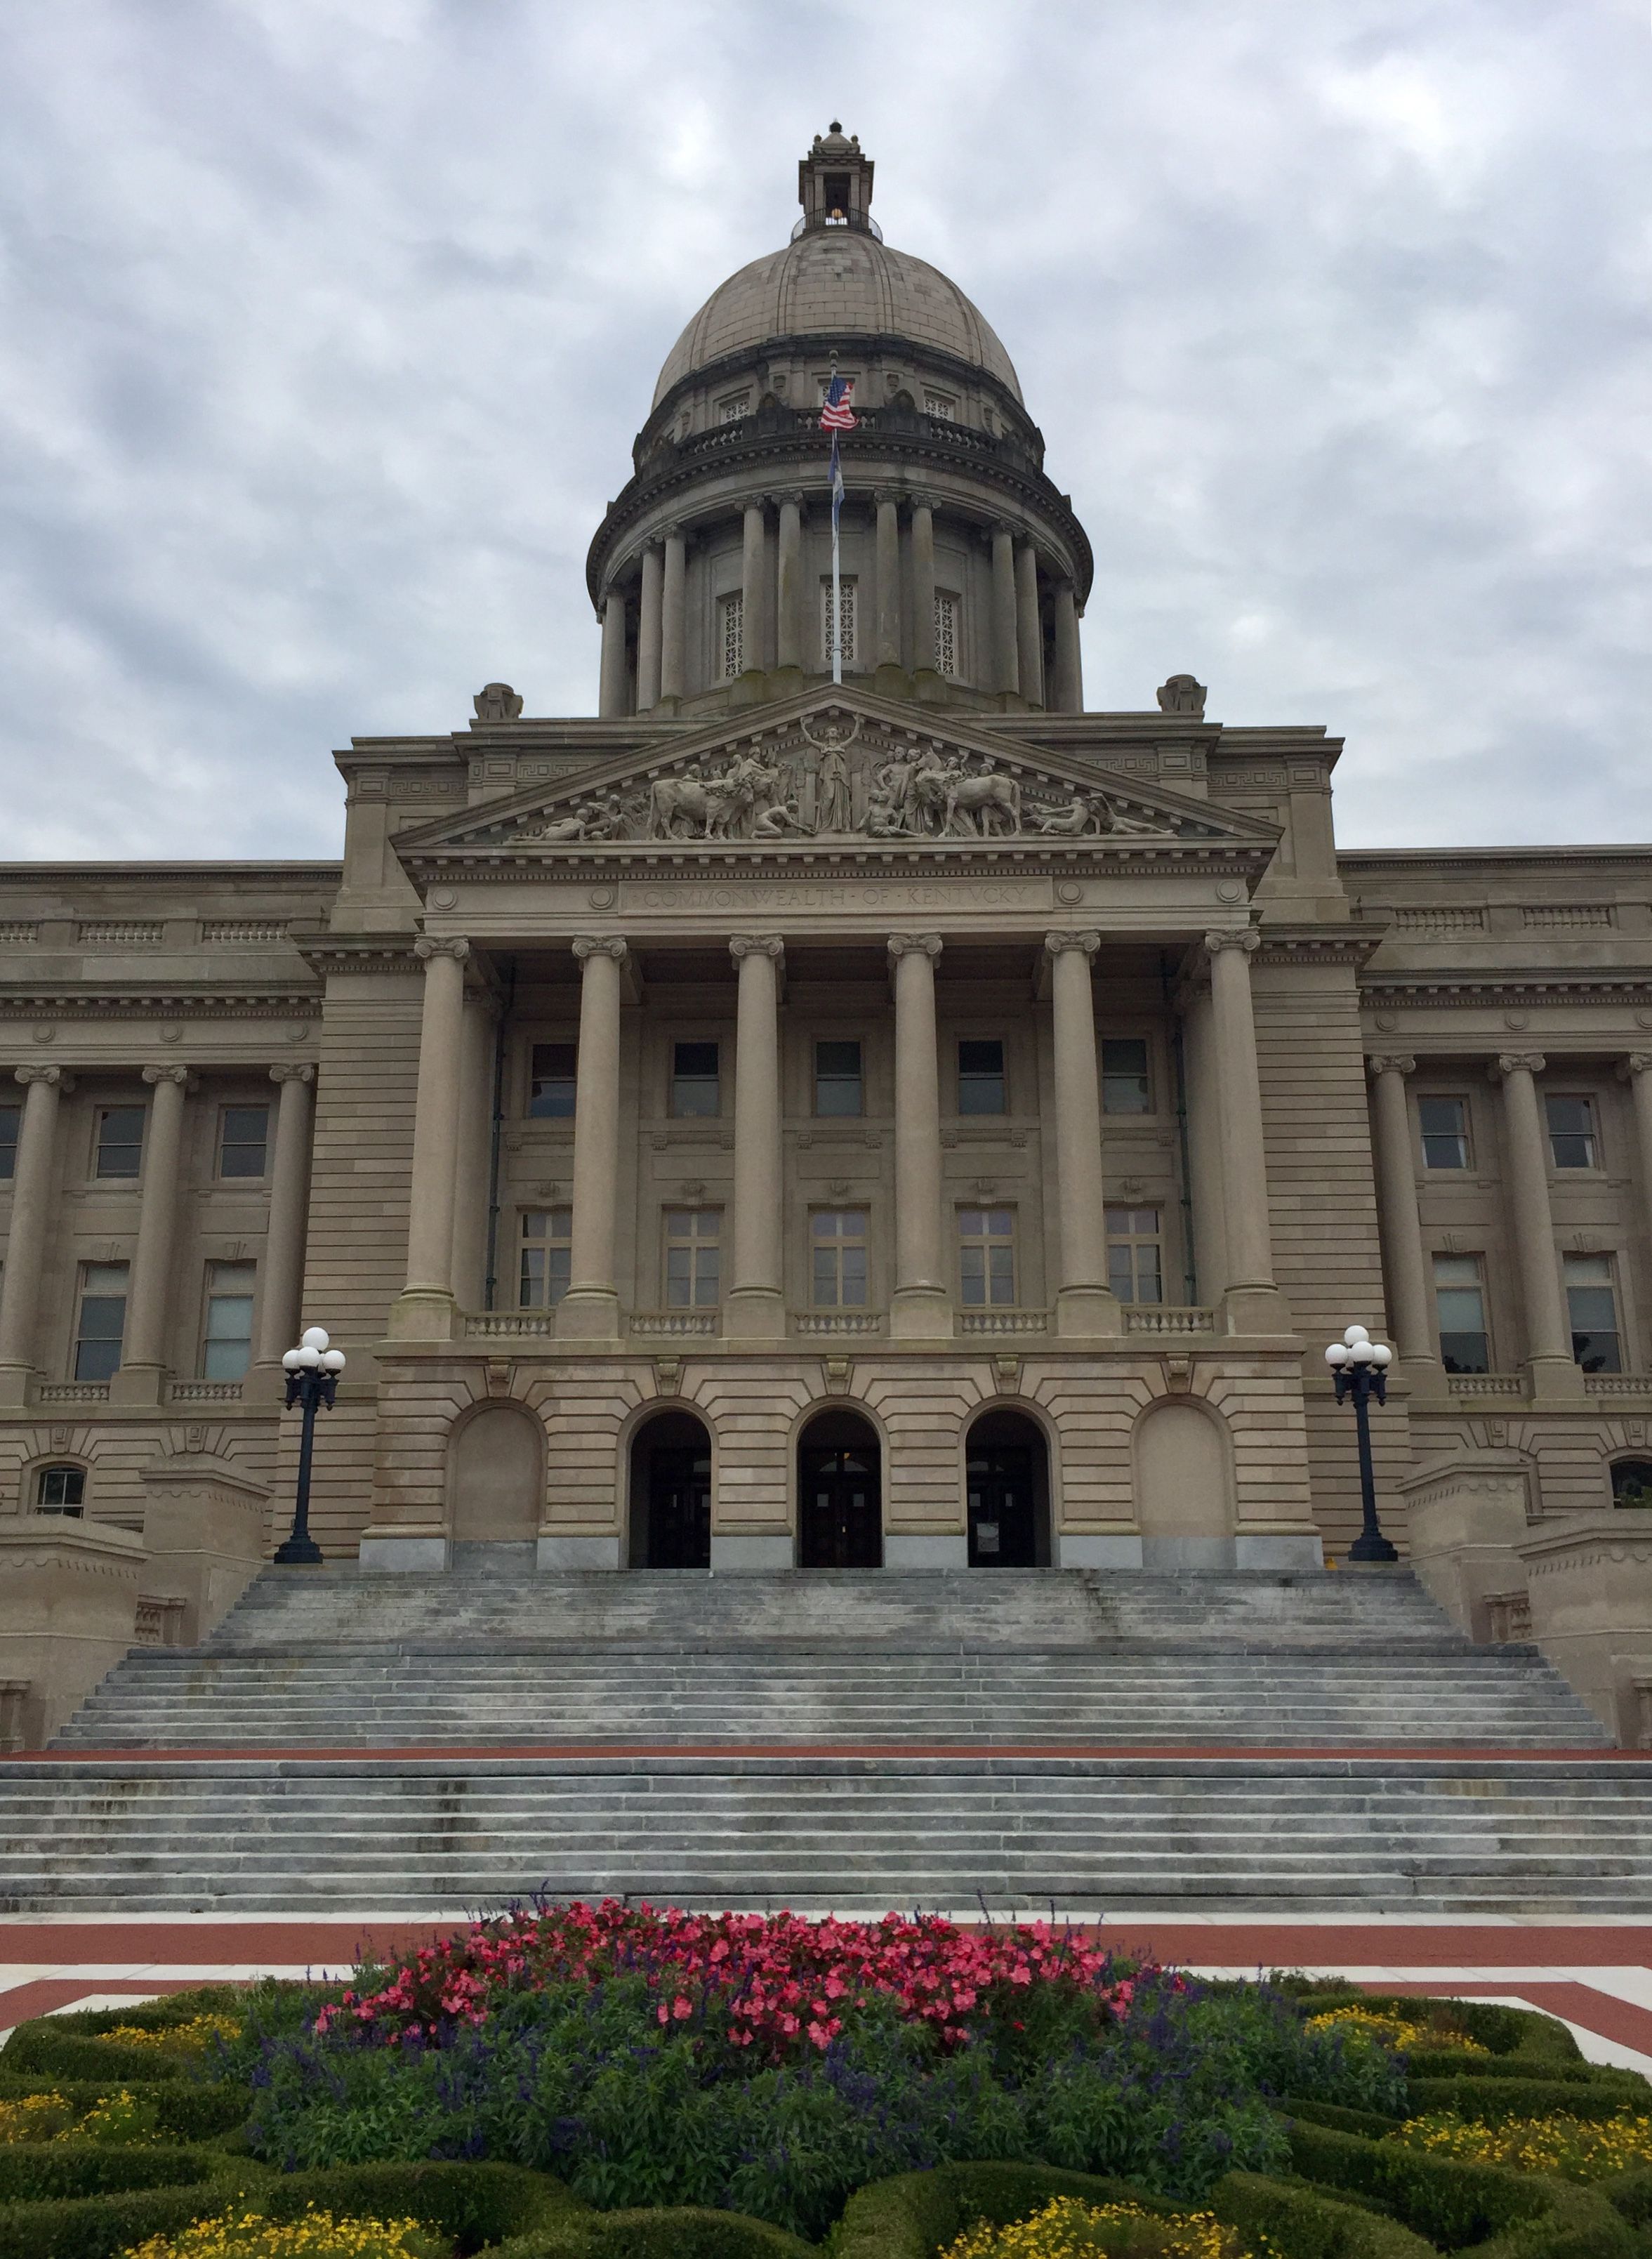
<point x="839" y="1493"/>
<point x="1007" y="1493"/>
<point x="495" y="1485"/>
<point x="671" y="1493"/>
<point x="1184" y="1499"/>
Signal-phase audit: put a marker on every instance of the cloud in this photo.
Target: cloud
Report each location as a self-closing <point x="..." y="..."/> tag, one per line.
<point x="324" y="330"/>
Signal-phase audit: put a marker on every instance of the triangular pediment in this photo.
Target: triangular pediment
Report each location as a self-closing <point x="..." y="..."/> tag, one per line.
<point x="836" y="770"/>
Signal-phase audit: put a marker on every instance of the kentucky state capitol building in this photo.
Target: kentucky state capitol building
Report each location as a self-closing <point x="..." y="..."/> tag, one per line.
<point x="912" y="1121"/>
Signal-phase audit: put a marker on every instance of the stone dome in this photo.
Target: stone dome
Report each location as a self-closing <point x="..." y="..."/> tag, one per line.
<point x="837" y="282"/>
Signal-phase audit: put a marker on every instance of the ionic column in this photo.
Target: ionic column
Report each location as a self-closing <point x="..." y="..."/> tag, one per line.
<point x="751" y="606"/>
<point x="1084" y="1302"/>
<point x="673" y="614"/>
<point x="754" y="1309"/>
<point x="1006" y="664"/>
<point x="921" y="1307"/>
<point x="648" y="630"/>
<point x="1555" y="1372"/>
<point x="1410" y="1315"/>
<point x="143" y="1351"/>
<point x="923" y="653"/>
<point x="1030" y="634"/>
<point x="1069" y="667"/>
<point x="1254" y="1303"/>
<point x="590" y="1308"/>
<point x="32" y="1186"/>
<point x="788" y="574"/>
<point x="283" y="1267"/>
<point x="423" y="1310"/>
<point x="886" y="651"/>
<point x="611" y="701"/>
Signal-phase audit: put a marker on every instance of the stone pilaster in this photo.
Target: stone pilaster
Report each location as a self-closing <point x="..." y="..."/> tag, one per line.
<point x="1410" y="1308"/>
<point x="1555" y="1370"/>
<point x="612" y="701"/>
<point x="143" y="1356"/>
<point x="1253" y="1302"/>
<point x="754" y="1308"/>
<point x="1006" y="660"/>
<point x="1084" y="1302"/>
<point x="33" y="1184"/>
<point x="922" y="537"/>
<point x="649" y="629"/>
<point x="920" y="1308"/>
<point x="590" y="1309"/>
<point x="1069" y="663"/>
<point x="425" y="1309"/>
<point x="672" y="615"/>
<point x="279" y="1321"/>
<point x="1030" y="634"/>
<point x="887" y="650"/>
<point x="788" y="583"/>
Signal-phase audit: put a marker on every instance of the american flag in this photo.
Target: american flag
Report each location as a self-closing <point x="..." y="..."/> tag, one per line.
<point x="836" y="412"/>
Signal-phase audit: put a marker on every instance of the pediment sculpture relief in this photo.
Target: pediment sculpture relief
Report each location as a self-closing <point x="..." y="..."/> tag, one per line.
<point x="844" y="783"/>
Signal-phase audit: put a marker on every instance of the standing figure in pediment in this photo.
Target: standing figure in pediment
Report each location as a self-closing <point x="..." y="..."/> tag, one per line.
<point x="833" y="806"/>
<point x="932" y="781"/>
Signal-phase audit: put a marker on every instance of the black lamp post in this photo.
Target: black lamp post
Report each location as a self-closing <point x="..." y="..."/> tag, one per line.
<point x="1359" y="1366"/>
<point x="312" y="1371"/>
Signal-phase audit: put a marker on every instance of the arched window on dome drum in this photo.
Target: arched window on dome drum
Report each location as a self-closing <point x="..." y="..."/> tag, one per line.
<point x="733" y="632"/>
<point x="946" y="631"/>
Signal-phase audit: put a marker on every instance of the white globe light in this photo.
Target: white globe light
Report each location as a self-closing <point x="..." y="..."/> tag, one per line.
<point x="313" y="1337"/>
<point x="1382" y="1356"/>
<point x="333" y="1360"/>
<point x="293" y="1359"/>
<point x="1353" y="1334"/>
<point x="1336" y="1355"/>
<point x="1362" y="1353"/>
<point x="309" y="1356"/>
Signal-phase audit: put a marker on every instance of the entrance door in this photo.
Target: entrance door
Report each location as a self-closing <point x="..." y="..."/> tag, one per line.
<point x="1002" y="1507"/>
<point x="841" y="1503"/>
<point x="678" y="1507"/>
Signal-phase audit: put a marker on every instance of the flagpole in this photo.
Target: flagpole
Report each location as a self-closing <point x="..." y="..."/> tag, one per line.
<point x="837" y="604"/>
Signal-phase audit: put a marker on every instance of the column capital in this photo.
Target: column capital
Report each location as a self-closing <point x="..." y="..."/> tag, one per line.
<point x="1086" y="942"/>
<point x="793" y="497"/>
<point x="290" y="1072"/>
<point x="58" y="1077"/>
<point x="921" y="498"/>
<point x="601" y="945"/>
<point x="909" y="945"/>
<point x="1508" y="1062"/>
<point x="182" y="1075"/>
<point x="882" y="495"/>
<point x="1244" y="937"/>
<point x="756" y="944"/>
<point x="427" y="947"/>
<point x="678" y="533"/>
<point x="1636" y="1063"/>
<point x="1391" y="1062"/>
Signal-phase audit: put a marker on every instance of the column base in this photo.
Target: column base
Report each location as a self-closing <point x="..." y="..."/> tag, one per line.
<point x="1280" y="1550"/>
<point x="137" y="1384"/>
<point x="754" y="1314"/>
<point x="919" y="1314"/>
<point x="909" y="1549"/>
<point x="377" y="1554"/>
<point x="1095" y="1548"/>
<point x="1556" y="1380"/>
<point x="1258" y="1309"/>
<point x="422" y="1314"/>
<point x="1178" y="1556"/>
<point x="14" y="1387"/>
<point x="553" y="1554"/>
<point x="1088" y="1311"/>
<point x="589" y="1313"/>
<point x="755" y="1550"/>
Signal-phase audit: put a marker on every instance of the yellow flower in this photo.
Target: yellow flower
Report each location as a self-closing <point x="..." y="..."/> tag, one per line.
<point x="1067" y="2228"/>
<point x="36" y="2118"/>
<point x="317" y="2235"/>
<point x="1396" y="2031"/>
<point x="1570" y="2148"/>
<point x="176" y="2039"/>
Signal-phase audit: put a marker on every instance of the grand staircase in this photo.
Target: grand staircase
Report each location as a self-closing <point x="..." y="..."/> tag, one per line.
<point x="421" y="1744"/>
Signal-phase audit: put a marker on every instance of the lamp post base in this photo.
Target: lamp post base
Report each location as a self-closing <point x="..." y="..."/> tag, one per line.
<point x="1372" y="1545"/>
<point x="300" y="1552"/>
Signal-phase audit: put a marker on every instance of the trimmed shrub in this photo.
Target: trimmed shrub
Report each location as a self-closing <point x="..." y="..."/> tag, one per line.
<point x="671" y="2232"/>
<point x="1307" y="2223"/>
<point x="184" y="2112"/>
<point x="31" y="2171"/>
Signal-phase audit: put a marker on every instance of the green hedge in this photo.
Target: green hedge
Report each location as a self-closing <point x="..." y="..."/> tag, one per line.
<point x="102" y="2226"/>
<point x="184" y="2114"/>
<point x="668" y="2232"/>
<point x="1492" y="2100"/>
<point x="1453" y="2202"/>
<point x="1308" y="2224"/>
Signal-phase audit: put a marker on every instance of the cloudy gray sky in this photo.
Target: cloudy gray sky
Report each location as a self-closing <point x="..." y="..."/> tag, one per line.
<point x="325" y="326"/>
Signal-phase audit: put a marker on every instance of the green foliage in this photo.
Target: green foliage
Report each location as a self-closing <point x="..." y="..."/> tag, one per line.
<point x="1308" y="2223"/>
<point x="671" y="2232"/>
<point x="183" y="2113"/>
<point x="912" y="2215"/>
<point x="30" y="2170"/>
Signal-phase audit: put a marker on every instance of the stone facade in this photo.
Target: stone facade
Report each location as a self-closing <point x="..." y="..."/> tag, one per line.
<point x="910" y="1118"/>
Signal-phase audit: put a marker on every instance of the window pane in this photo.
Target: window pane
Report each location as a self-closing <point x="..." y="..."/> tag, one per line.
<point x="837" y="1079"/>
<point x="1465" y="1352"/>
<point x="553" y="1068"/>
<point x="972" y="1274"/>
<point x="1124" y="1082"/>
<point x="693" y="1078"/>
<point x="853" y="1267"/>
<point x="1462" y="1309"/>
<point x="543" y="1274"/>
<point x="60" y="1490"/>
<point x="1571" y="1132"/>
<point x="243" y="1139"/>
<point x="1591" y="1308"/>
<point x="120" y="1140"/>
<point x="11" y="1117"/>
<point x="103" y="1321"/>
<point x="1444" y="1123"/>
<point x="981" y="1078"/>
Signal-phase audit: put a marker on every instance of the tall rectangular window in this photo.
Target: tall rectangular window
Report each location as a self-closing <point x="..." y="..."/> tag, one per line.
<point x="547" y="1258"/>
<point x="1135" y="1254"/>
<point x="941" y="404"/>
<point x="1444" y="1123"/>
<point x="1571" y="1136"/>
<point x="243" y="1140"/>
<point x="838" y="1255"/>
<point x="693" y="1078"/>
<point x="10" y="1122"/>
<point x="837" y="1078"/>
<point x="947" y="606"/>
<point x="1591" y="1306"/>
<point x="120" y="1142"/>
<point x="226" y="1348"/>
<point x="551" y="1094"/>
<point x="733" y="406"/>
<point x="732" y="633"/>
<point x="101" y="1320"/>
<point x="694" y="1258"/>
<point x="845" y="616"/>
<point x="980" y="1076"/>
<point x="1125" y="1087"/>
<point x="1459" y="1299"/>
<point x="986" y="1257"/>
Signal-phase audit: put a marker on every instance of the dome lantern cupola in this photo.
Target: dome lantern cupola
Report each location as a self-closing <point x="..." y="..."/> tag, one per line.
<point x="834" y="184"/>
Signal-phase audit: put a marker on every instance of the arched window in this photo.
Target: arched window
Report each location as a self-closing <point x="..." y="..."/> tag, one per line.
<point x="60" y="1490"/>
<point x="1632" y="1482"/>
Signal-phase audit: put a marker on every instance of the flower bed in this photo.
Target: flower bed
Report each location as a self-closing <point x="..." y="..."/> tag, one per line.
<point x="612" y="2082"/>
